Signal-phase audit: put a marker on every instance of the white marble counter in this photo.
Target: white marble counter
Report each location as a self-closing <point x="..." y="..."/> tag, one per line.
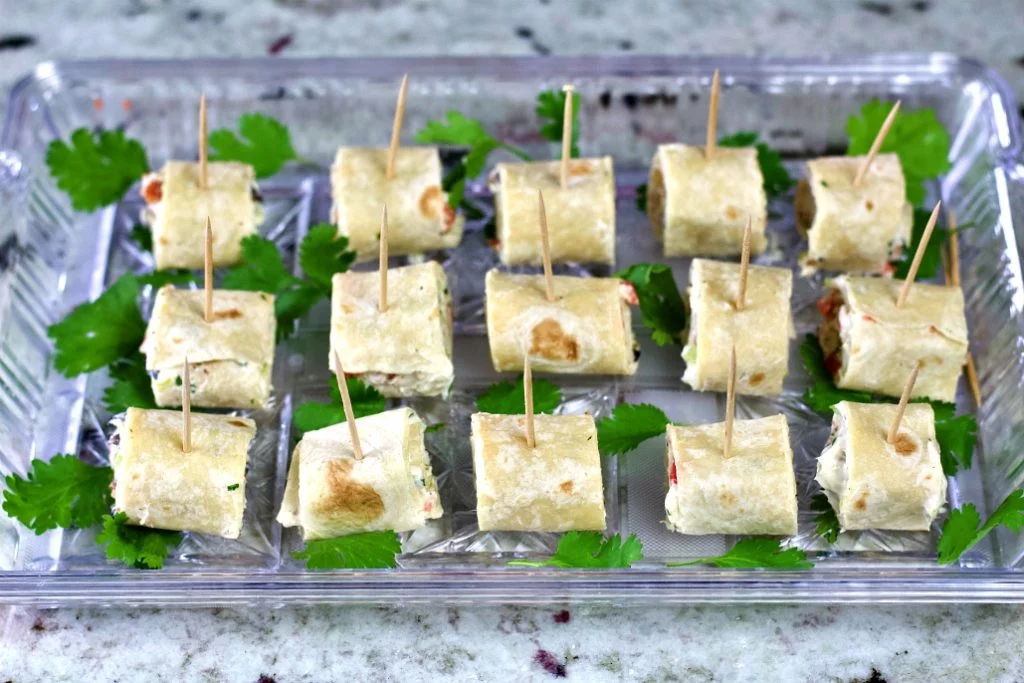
<point x="596" y="644"/>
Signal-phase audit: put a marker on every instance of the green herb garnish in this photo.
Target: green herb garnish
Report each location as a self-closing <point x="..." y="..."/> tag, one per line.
<point x="62" y="493"/>
<point x="373" y="550"/>
<point x="590" y="550"/>
<point x="506" y="398"/>
<point x="661" y="306"/>
<point x="753" y="553"/>
<point x="628" y="426"/>
<point x="97" y="168"/>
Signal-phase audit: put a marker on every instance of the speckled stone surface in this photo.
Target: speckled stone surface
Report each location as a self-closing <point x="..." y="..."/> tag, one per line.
<point x="715" y="643"/>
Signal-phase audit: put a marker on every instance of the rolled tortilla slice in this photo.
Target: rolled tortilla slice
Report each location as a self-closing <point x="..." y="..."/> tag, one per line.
<point x="553" y="487"/>
<point x="419" y="217"/>
<point x="870" y="345"/>
<point x="586" y="330"/>
<point x="751" y="492"/>
<point x="231" y="358"/>
<point x="159" y="486"/>
<point x="760" y="332"/>
<point x="178" y="208"/>
<point x="407" y="349"/>
<point x="581" y="218"/>
<point x="853" y="229"/>
<point x="699" y="207"/>
<point x="873" y="484"/>
<point x="330" y="493"/>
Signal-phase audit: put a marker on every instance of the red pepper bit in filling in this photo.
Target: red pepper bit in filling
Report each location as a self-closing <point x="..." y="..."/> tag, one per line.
<point x="153" y="191"/>
<point x="672" y="475"/>
<point x="628" y="292"/>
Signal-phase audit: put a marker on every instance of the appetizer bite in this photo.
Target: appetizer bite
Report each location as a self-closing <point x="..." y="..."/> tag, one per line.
<point x="700" y="199"/>
<point x="164" y="483"/>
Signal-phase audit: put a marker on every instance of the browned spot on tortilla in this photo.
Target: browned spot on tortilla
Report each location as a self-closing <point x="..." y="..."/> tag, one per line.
<point x="731" y="212"/>
<point x="862" y="502"/>
<point x="549" y="340"/>
<point x="163" y="240"/>
<point x="237" y="423"/>
<point x="177" y="340"/>
<point x="869" y="205"/>
<point x="565" y="487"/>
<point x="727" y="498"/>
<point x="347" y="501"/>
<point x="756" y="378"/>
<point x="904" y="444"/>
<point x="229" y="314"/>
<point x="432" y="202"/>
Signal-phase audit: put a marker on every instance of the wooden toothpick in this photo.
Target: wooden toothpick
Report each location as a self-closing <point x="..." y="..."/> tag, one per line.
<point x="566" y="136"/>
<point x="711" y="142"/>
<point x="953" y="280"/>
<point x="876" y="145"/>
<point x="186" y="409"/>
<point x="208" y="273"/>
<point x="396" y="127"/>
<point x="730" y="403"/>
<point x="741" y="296"/>
<point x="346" y="402"/>
<point x="382" y="301"/>
<point x="531" y="435"/>
<point x="203" y="178"/>
<point x="545" y="246"/>
<point x="918" y="255"/>
<point x="904" y="398"/>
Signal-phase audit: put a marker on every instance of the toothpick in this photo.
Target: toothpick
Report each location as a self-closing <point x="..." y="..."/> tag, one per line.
<point x="904" y="398"/>
<point x="531" y="435"/>
<point x="709" y="145"/>
<point x="346" y="402"/>
<point x="876" y="145"/>
<point x="545" y="245"/>
<point x="730" y="403"/>
<point x="918" y="255"/>
<point x="566" y="135"/>
<point x="186" y="409"/>
<point x="203" y="178"/>
<point x="382" y="301"/>
<point x="208" y="273"/>
<point x="953" y="280"/>
<point x="396" y="127"/>
<point x="741" y="296"/>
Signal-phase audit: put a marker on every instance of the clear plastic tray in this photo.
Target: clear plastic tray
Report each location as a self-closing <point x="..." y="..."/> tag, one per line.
<point x="52" y="258"/>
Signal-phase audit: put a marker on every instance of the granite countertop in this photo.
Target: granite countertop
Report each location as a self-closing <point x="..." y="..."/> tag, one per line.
<point x="708" y="643"/>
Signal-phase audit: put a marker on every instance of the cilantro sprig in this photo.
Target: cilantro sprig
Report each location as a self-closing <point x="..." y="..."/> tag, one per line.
<point x="661" y="306"/>
<point x="590" y="550"/>
<point x="963" y="529"/>
<point x="755" y="553"/>
<point x="506" y="398"/>
<point x="916" y="137"/>
<point x="131" y="387"/>
<point x="62" y="493"/>
<point x="628" y="426"/>
<point x="826" y="522"/>
<point x="366" y="400"/>
<point x="262" y="141"/>
<point x="776" y="178"/>
<point x="136" y="546"/>
<point x="372" y="550"/>
<point x="551" y="111"/>
<point x="96" y="168"/>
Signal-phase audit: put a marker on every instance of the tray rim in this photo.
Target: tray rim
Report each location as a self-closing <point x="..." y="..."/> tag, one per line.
<point x="824" y="585"/>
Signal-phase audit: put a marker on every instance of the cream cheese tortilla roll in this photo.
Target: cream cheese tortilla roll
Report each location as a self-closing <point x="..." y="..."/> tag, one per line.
<point x="586" y="330"/>
<point x="553" y="487"/>
<point x="407" y="349"/>
<point x="329" y="493"/>
<point x="700" y="206"/>
<point x="760" y="332"/>
<point x="853" y="229"/>
<point x="419" y="217"/>
<point x="873" y="484"/>
<point x="178" y="208"/>
<point x="159" y="486"/>
<point x="871" y="345"/>
<point x="581" y="218"/>
<point x="231" y="358"/>
<point x="751" y="492"/>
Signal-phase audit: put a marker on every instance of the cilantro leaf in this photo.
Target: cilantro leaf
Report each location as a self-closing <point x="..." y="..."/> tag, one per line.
<point x="551" y="112"/>
<point x="173" y="276"/>
<point x="98" y="333"/>
<point x="267" y="144"/>
<point x="823" y="393"/>
<point x="629" y="426"/>
<point x="826" y="521"/>
<point x="752" y="553"/>
<point x="64" y="492"/>
<point x="956" y="435"/>
<point x="961" y="530"/>
<point x="131" y="387"/>
<point x="372" y="550"/>
<point x="136" y="546"/>
<point x="292" y="304"/>
<point x="590" y="550"/>
<point x="366" y="400"/>
<point x="641" y="197"/>
<point x="96" y="169"/>
<point x="142" y="236"/>
<point x="506" y="398"/>
<point x="916" y="137"/>
<point x="932" y="258"/>
<point x="776" y="178"/>
<point x="661" y="307"/>
<point x="323" y="253"/>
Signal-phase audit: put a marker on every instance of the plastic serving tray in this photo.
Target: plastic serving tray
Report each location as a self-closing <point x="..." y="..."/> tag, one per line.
<point x="52" y="258"/>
